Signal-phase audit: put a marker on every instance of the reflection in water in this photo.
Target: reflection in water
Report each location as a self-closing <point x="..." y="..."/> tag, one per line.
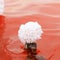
<point x="2" y="25"/>
<point x="32" y="52"/>
<point x="3" y="55"/>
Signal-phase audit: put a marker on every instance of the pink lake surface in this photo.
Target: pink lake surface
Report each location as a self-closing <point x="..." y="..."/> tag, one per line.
<point x="49" y="45"/>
